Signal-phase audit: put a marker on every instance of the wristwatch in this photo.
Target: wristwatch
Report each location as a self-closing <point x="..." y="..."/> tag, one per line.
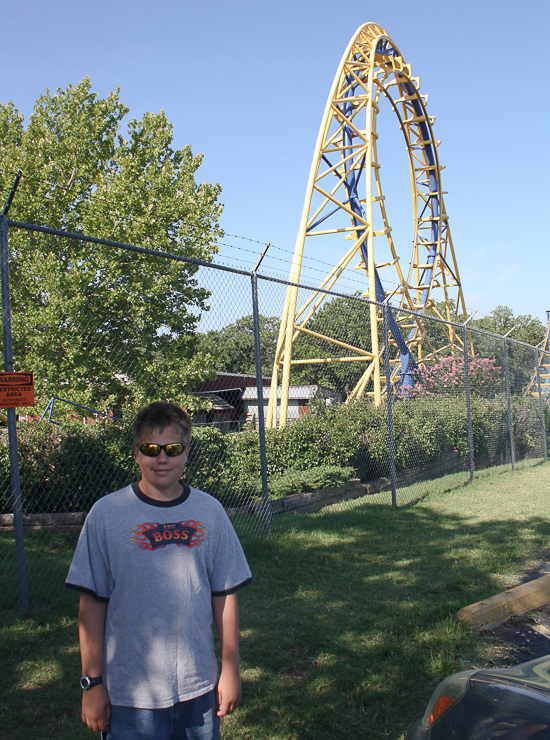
<point x="87" y="683"/>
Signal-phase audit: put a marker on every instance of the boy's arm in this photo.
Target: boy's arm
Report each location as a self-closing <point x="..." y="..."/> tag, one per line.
<point x="226" y="618"/>
<point x="96" y="707"/>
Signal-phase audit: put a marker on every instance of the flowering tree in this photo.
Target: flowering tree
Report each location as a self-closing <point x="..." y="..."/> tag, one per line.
<point x="447" y="377"/>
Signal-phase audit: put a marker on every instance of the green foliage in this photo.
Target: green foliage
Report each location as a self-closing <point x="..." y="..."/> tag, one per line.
<point x="348" y="321"/>
<point x="522" y="360"/>
<point x="96" y="325"/>
<point x="528" y="329"/>
<point x="419" y="433"/>
<point x="69" y="469"/>
<point x="302" y="481"/>
<point x="206" y="468"/>
<point x="232" y="348"/>
<point x="526" y="424"/>
<point x="437" y="335"/>
<point x="356" y="435"/>
<point x="501" y="319"/>
<point x="447" y="377"/>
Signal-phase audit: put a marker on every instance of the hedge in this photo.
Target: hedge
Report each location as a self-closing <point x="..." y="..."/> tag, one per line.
<point x="302" y="481"/>
<point x="67" y="469"/>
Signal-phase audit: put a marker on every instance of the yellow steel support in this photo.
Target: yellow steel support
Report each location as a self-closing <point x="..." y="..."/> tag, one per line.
<point x="543" y="372"/>
<point x="371" y="72"/>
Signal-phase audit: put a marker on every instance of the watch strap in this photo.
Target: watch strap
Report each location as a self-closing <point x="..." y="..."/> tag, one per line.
<point x="86" y="682"/>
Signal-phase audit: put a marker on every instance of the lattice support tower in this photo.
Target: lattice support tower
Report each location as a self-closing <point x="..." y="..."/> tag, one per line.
<point x="344" y="200"/>
<point x="541" y="377"/>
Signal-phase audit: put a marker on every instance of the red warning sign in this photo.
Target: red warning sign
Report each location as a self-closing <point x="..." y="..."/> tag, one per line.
<point x="16" y="389"/>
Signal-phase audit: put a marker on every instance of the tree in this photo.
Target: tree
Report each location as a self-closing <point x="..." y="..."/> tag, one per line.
<point x="447" y="377"/>
<point x="438" y="337"/>
<point x="233" y="346"/>
<point x="97" y="324"/>
<point x="346" y="320"/>
<point x="521" y="359"/>
<point x="501" y="319"/>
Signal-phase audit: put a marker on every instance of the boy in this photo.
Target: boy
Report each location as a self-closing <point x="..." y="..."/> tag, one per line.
<point x="155" y="564"/>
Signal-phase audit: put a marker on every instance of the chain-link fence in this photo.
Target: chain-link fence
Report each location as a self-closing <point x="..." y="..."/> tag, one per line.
<point x="107" y="328"/>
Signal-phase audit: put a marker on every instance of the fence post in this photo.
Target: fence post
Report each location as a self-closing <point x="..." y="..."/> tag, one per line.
<point x="266" y="508"/>
<point x="391" y="439"/>
<point x="468" y="404"/>
<point x="12" y="424"/>
<point x="541" y="410"/>
<point x="508" y="401"/>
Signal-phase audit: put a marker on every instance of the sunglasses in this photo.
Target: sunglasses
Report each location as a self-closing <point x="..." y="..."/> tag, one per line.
<point x="151" y="450"/>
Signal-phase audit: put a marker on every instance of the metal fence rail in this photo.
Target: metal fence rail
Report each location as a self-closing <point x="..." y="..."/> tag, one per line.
<point x="93" y="370"/>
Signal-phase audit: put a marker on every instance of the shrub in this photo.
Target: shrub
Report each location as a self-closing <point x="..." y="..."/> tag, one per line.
<point x="447" y="377"/>
<point x="205" y="467"/>
<point x="69" y="468"/>
<point x="224" y="465"/>
<point x="302" y="481"/>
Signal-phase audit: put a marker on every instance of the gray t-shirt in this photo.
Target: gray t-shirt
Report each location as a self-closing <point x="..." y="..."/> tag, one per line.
<point x="158" y="565"/>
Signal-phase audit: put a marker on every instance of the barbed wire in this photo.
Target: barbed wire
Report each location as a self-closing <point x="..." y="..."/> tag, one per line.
<point x="311" y="266"/>
<point x="361" y="284"/>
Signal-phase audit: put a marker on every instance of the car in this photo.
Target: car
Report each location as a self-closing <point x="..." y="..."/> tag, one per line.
<point x="490" y="704"/>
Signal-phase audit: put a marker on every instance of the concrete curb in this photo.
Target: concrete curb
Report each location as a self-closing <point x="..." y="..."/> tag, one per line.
<point x="491" y="612"/>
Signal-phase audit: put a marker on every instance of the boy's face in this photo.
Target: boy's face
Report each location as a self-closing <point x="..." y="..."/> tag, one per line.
<point x="160" y="475"/>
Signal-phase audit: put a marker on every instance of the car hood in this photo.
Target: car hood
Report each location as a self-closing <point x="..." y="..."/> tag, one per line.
<point x="536" y="673"/>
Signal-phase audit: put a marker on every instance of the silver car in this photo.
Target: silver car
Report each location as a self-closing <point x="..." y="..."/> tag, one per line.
<point x="490" y="704"/>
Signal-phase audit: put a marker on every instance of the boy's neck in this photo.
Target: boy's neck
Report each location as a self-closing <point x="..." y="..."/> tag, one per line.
<point x="161" y="494"/>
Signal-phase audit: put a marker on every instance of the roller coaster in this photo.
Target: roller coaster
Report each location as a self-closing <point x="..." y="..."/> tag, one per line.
<point x="344" y="201"/>
<point x="540" y="382"/>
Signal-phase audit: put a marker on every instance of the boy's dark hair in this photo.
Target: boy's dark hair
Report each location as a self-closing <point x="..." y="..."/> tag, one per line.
<point x="159" y="415"/>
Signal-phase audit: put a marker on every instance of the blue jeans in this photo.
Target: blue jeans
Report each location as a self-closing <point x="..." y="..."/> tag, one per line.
<point x="195" y="719"/>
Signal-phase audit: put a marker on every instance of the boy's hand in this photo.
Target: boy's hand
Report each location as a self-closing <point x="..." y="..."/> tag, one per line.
<point x="96" y="709"/>
<point x="226" y="617"/>
<point x="229" y="691"/>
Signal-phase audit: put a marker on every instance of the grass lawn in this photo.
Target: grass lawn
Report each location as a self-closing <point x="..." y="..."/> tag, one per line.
<point x="348" y="626"/>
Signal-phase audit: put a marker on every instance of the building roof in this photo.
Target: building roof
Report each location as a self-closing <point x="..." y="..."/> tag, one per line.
<point x="218" y="403"/>
<point x="300" y="392"/>
<point x="225" y="381"/>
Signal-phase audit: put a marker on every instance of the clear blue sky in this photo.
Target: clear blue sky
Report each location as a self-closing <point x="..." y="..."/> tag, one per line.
<point x="246" y="83"/>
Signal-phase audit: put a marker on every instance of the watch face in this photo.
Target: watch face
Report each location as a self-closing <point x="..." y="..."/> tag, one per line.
<point x="85" y="682"/>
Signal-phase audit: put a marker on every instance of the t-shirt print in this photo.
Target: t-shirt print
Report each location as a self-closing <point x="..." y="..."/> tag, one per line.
<point x="151" y="536"/>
